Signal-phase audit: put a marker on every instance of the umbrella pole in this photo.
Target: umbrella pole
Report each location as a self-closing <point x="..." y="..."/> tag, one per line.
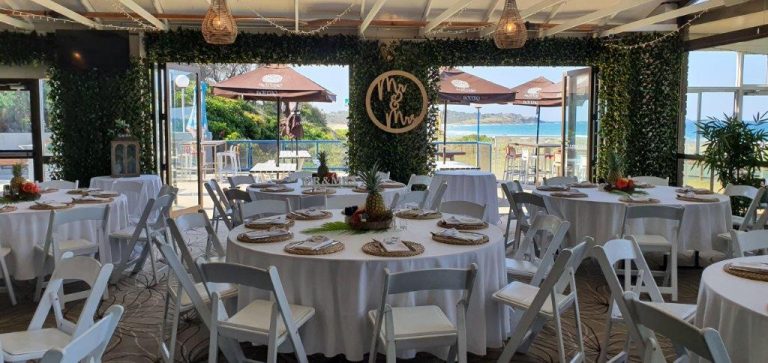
<point x="278" y="138"/>
<point x="445" y="129"/>
<point x="538" y="123"/>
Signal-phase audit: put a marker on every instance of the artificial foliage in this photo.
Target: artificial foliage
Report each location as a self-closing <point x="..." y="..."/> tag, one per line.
<point x="18" y="49"/>
<point x="90" y="109"/>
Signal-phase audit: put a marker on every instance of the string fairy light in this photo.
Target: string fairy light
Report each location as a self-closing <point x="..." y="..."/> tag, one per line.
<point x="120" y="8"/>
<point x="320" y="29"/>
<point x="51" y="19"/>
<point x="653" y="42"/>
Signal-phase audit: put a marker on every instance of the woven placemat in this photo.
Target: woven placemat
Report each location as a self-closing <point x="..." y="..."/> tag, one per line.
<point x="284" y="237"/>
<point x="745" y="274"/>
<point x="286" y="190"/>
<point x="374" y="248"/>
<point x="49" y="207"/>
<point x="288" y="223"/>
<point x="78" y="191"/>
<point x="287" y="181"/>
<point x="630" y="201"/>
<point x="582" y="185"/>
<point x="336" y="247"/>
<point x="299" y="217"/>
<point x="51" y="190"/>
<point x="318" y="192"/>
<point x="568" y="195"/>
<point x="442" y="224"/>
<point x="695" y="191"/>
<point x="361" y="190"/>
<point x="413" y="215"/>
<point x="392" y="185"/>
<point x="8" y="209"/>
<point x="697" y="199"/>
<point x="261" y="185"/>
<point x="553" y="188"/>
<point x="105" y="194"/>
<point x="458" y="241"/>
<point x="87" y="201"/>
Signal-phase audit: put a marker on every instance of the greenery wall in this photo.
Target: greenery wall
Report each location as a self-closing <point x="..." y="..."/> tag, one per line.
<point x="639" y="90"/>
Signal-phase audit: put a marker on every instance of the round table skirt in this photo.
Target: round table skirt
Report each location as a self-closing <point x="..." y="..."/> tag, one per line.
<point x="601" y="215"/>
<point x="136" y="204"/>
<point x="25" y="228"/>
<point x="737" y="308"/>
<point x="343" y="287"/>
<point x="471" y="186"/>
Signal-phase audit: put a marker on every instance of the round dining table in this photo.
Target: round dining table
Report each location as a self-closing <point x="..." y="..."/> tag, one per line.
<point x="472" y="186"/>
<point x="152" y="184"/>
<point x="25" y="228"/>
<point x="342" y="197"/>
<point x="344" y="286"/>
<point x="601" y="215"/>
<point x="738" y="308"/>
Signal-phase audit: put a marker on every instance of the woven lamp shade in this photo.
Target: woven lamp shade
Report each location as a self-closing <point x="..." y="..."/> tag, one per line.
<point x="219" y="27"/>
<point x="511" y="31"/>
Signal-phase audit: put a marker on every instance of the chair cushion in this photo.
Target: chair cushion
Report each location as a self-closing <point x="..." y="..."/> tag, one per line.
<point x="683" y="312"/>
<point x="652" y="241"/>
<point x="520" y="268"/>
<point x="417" y="321"/>
<point x="255" y="317"/>
<point x="76" y="244"/>
<point x="521" y="295"/>
<point x="33" y="343"/>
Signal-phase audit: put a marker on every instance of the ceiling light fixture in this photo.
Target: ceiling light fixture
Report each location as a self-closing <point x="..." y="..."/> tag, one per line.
<point x="511" y="31"/>
<point x="219" y="26"/>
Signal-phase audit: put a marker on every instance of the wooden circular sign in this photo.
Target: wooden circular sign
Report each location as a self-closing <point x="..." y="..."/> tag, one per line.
<point x="390" y="88"/>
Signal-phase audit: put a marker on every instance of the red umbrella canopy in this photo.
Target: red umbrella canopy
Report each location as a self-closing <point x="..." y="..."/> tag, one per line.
<point x="268" y="83"/>
<point x="538" y="92"/>
<point x="457" y="86"/>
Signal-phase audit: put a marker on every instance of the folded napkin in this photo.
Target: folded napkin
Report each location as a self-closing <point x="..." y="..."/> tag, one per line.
<point x="426" y="212"/>
<point x="271" y="220"/>
<point x="689" y="189"/>
<point x="569" y="194"/>
<point x="265" y="234"/>
<point x="92" y="198"/>
<point x="393" y="244"/>
<point x="454" y="233"/>
<point x="755" y="267"/>
<point x="280" y="188"/>
<point x="583" y="184"/>
<point x="638" y="198"/>
<point x="313" y="243"/>
<point x="697" y="197"/>
<point x="310" y="212"/>
<point x="467" y="221"/>
<point x="52" y="204"/>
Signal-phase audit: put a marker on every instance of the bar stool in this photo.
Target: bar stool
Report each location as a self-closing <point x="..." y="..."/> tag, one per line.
<point x="230" y="157"/>
<point x="512" y="163"/>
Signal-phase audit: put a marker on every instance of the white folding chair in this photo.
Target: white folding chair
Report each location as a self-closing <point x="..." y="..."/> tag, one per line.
<point x="167" y="189"/>
<point x="426" y="326"/>
<point x="238" y="180"/>
<point x="560" y="180"/>
<point x="627" y="251"/>
<point x="750" y="241"/>
<point x="58" y="184"/>
<point x="437" y="198"/>
<point x="5" y="251"/>
<point x="463" y="208"/>
<point x="545" y="302"/>
<point x="417" y="197"/>
<point x="648" y="319"/>
<point x="89" y="346"/>
<point x="32" y="343"/>
<point x="526" y="206"/>
<point x="132" y="191"/>
<point x="533" y="260"/>
<point x="262" y="208"/>
<point x="425" y="180"/>
<point x="749" y="221"/>
<point x="657" y="242"/>
<point x="383" y="175"/>
<point x="151" y="225"/>
<point x="54" y="246"/>
<point x="188" y="295"/>
<point x="261" y="321"/>
<point x="510" y="188"/>
<point x="191" y="223"/>
<point x="652" y="180"/>
<point x="234" y="196"/>
<point x="222" y="211"/>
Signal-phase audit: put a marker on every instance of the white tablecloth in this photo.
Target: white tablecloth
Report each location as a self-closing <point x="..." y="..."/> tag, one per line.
<point x="601" y="214"/>
<point x="25" y="228"/>
<point x="472" y="186"/>
<point x="151" y="182"/>
<point x="344" y="286"/>
<point x="738" y="309"/>
<point x="344" y="197"/>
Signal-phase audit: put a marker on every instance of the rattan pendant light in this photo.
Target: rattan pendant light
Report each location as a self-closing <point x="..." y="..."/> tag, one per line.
<point x="511" y="31"/>
<point x="219" y="27"/>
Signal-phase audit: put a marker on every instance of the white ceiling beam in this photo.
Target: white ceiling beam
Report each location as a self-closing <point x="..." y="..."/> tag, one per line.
<point x="160" y="10"/>
<point x="15" y="6"/>
<point x="447" y="13"/>
<point x="296" y="15"/>
<point x="669" y="15"/>
<point x="492" y="10"/>
<point x="140" y="11"/>
<point x="18" y="23"/>
<point x="534" y="9"/>
<point x="89" y="7"/>
<point x="371" y="15"/>
<point x="49" y="4"/>
<point x="552" y="13"/>
<point x="597" y="15"/>
<point x="427" y="8"/>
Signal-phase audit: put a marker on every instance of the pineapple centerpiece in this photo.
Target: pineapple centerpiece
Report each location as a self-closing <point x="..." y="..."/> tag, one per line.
<point x="17" y="181"/>
<point x="323" y="173"/>
<point x="375" y="214"/>
<point x="614" y="177"/>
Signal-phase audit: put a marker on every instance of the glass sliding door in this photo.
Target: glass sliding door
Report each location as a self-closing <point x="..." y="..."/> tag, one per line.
<point x="20" y="125"/>
<point x="578" y="126"/>
<point x="183" y="134"/>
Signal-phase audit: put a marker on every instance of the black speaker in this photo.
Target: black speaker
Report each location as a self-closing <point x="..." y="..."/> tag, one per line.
<point x="86" y="50"/>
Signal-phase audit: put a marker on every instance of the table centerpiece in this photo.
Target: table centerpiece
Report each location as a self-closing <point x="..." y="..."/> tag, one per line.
<point x="20" y="189"/>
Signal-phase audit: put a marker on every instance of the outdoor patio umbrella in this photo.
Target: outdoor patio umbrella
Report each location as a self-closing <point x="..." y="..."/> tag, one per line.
<point x="538" y="92"/>
<point x="276" y="83"/>
<point x="459" y="87"/>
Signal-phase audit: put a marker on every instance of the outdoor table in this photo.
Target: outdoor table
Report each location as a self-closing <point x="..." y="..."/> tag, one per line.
<point x="272" y="168"/>
<point x="454" y="165"/>
<point x="343" y="195"/>
<point x="472" y="186"/>
<point x="136" y="204"/>
<point x="536" y="153"/>
<point x="297" y="157"/>
<point x="737" y="308"/>
<point x="25" y="228"/>
<point x="344" y="286"/>
<point x="600" y="215"/>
